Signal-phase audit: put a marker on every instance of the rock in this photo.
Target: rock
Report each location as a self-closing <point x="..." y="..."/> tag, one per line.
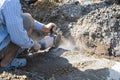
<point x="71" y="11"/>
<point x="100" y="26"/>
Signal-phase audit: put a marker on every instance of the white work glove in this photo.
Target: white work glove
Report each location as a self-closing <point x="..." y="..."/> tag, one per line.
<point x="48" y="41"/>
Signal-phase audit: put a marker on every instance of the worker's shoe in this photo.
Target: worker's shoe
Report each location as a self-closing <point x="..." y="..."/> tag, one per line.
<point x="15" y="63"/>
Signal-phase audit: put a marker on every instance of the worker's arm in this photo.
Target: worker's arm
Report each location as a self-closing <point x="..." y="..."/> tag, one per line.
<point x="43" y="27"/>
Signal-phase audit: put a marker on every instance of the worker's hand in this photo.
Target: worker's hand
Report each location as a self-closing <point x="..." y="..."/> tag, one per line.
<point x="36" y="46"/>
<point x="51" y="27"/>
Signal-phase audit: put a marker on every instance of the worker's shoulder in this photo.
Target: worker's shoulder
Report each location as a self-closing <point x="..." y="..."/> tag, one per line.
<point x="8" y="2"/>
<point x="2" y="2"/>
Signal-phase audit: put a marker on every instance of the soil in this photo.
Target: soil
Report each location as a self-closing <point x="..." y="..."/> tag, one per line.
<point x="73" y="59"/>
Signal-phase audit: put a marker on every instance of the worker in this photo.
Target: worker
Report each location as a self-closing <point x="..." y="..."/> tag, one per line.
<point x="15" y="30"/>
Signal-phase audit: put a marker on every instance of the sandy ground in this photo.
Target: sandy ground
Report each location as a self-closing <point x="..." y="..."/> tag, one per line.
<point x="60" y="64"/>
<point x="73" y="65"/>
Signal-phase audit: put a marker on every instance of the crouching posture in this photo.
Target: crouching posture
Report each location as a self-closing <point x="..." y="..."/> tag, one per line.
<point x="15" y="29"/>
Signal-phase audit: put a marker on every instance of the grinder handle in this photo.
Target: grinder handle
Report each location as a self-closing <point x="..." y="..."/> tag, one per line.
<point x="51" y="30"/>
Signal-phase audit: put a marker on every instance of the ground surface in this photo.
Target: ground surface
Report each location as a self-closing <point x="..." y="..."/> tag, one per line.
<point x="70" y="61"/>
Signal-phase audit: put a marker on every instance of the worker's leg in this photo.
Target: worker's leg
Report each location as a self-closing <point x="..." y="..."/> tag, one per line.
<point x="28" y="23"/>
<point x="9" y="52"/>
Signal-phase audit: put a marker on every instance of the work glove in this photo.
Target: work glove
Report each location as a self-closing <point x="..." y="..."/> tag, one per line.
<point x="36" y="46"/>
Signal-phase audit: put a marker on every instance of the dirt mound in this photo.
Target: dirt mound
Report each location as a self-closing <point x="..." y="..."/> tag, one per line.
<point x="99" y="30"/>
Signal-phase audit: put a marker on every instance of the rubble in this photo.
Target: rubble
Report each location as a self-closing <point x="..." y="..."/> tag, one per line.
<point x="100" y="26"/>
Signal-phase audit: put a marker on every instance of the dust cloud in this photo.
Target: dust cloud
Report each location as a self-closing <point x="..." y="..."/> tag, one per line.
<point x="67" y="44"/>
